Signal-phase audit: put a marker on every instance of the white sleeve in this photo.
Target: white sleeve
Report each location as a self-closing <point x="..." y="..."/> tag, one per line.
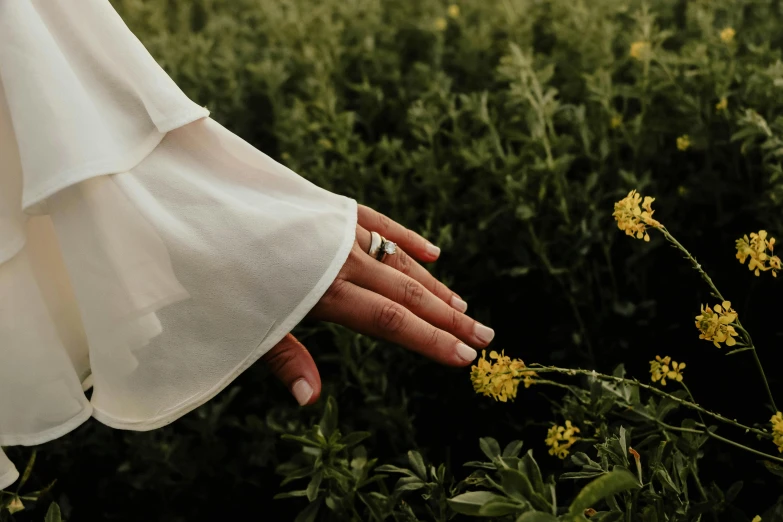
<point x="145" y="250"/>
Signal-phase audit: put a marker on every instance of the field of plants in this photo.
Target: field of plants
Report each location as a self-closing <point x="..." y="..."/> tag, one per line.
<point x="605" y="180"/>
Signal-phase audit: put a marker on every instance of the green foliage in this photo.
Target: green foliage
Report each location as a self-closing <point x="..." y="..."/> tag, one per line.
<point x="505" y="139"/>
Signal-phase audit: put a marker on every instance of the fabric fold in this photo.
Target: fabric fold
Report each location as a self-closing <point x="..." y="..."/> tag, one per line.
<point x="145" y="250"/>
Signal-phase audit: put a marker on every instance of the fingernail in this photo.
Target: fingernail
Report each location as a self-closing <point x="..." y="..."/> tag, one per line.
<point x="433" y="250"/>
<point x="459" y="304"/>
<point x="465" y="352"/>
<point x="302" y="391"/>
<point x="484" y="332"/>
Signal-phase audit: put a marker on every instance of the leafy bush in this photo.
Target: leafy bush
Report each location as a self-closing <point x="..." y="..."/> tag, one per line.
<point x="504" y="131"/>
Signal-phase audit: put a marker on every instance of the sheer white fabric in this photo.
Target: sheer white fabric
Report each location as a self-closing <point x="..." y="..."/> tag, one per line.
<point x="145" y="250"/>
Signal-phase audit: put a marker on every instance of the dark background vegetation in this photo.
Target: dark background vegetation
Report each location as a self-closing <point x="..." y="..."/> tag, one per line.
<point x="368" y="99"/>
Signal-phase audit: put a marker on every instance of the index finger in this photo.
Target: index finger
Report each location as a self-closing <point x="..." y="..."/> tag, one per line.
<point x="407" y="239"/>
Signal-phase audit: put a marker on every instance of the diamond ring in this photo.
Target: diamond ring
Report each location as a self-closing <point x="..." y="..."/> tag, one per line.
<point x="380" y="246"/>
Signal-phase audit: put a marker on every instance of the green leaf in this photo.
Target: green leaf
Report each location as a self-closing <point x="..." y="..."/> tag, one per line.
<point x="291" y="494"/>
<point x="499" y="508"/>
<point x="312" y="487"/>
<point x="470" y="503"/>
<point x="515" y="484"/>
<point x="417" y="464"/>
<point x="490" y="447"/>
<point x="533" y="472"/>
<point x="27" y="471"/>
<point x="616" y="481"/>
<point x="536" y="516"/>
<point x="309" y="513"/>
<point x="328" y="422"/>
<point x="302" y="440"/>
<point x="513" y="449"/>
<point x="389" y="468"/>
<point x="53" y="514"/>
<point x="355" y="438"/>
<point x="581" y="474"/>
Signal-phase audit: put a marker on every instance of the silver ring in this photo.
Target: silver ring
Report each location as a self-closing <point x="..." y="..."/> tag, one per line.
<point x="380" y="246"/>
<point x="375" y="244"/>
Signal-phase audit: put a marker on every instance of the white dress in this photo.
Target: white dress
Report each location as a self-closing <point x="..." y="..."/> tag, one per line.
<point x="145" y="250"/>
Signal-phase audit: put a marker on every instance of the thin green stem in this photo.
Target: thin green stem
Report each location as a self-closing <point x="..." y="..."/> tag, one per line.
<point x="717" y="294"/>
<point x="572" y="372"/>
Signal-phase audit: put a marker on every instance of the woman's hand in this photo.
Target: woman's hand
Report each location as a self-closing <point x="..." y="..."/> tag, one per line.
<point x="397" y="300"/>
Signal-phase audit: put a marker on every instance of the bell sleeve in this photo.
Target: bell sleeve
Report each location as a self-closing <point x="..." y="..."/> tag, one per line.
<point x="145" y="251"/>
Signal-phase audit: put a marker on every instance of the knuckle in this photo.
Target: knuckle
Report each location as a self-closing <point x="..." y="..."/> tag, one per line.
<point x="336" y="291"/>
<point x="404" y="262"/>
<point x="391" y="318"/>
<point x="280" y="358"/>
<point x="455" y="318"/>
<point x="411" y="237"/>
<point x="413" y="294"/>
<point x="433" y="338"/>
<point x="384" y="222"/>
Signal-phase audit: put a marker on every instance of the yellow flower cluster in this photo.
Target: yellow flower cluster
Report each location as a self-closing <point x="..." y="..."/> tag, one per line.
<point x="633" y="215"/>
<point x="684" y="142"/>
<point x="664" y="368"/>
<point x="617" y="120"/>
<point x="440" y="24"/>
<point x="639" y="50"/>
<point x="716" y="326"/>
<point x="727" y="35"/>
<point x="756" y="249"/>
<point x="722" y="105"/>
<point x="500" y="379"/>
<point x="453" y="11"/>
<point x="561" y="438"/>
<point x="777" y="430"/>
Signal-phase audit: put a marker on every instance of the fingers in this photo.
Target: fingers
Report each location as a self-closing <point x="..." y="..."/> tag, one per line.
<point x="411" y="294"/>
<point x="405" y="264"/>
<point x="290" y="361"/>
<point x="369" y="313"/>
<point x="409" y="240"/>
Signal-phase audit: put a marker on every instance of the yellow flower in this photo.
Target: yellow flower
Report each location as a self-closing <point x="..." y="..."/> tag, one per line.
<point x="722" y="105"/>
<point x="715" y="326"/>
<point x="633" y="218"/>
<point x="325" y="143"/>
<point x="617" y="120"/>
<point x="453" y="11"/>
<point x="777" y="430"/>
<point x="440" y="24"/>
<point x="756" y="248"/>
<point x="664" y="368"/>
<point x="682" y="191"/>
<point x="561" y="438"/>
<point x="684" y="142"/>
<point x="727" y="35"/>
<point x="757" y="518"/>
<point x="500" y="379"/>
<point x="285" y="156"/>
<point x="639" y="50"/>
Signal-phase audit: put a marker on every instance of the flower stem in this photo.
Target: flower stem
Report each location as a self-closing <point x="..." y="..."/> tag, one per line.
<point x="717" y="294"/>
<point x="568" y="371"/>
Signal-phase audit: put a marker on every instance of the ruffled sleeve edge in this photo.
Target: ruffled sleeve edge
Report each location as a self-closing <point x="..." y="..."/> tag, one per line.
<point x="8" y="478"/>
<point x="116" y="165"/>
<point x="270" y="338"/>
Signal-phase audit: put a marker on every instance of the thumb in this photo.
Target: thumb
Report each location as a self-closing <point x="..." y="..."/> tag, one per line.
<point x="290" y="361"/>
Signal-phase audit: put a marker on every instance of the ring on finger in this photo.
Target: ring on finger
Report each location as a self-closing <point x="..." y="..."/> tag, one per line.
<point x="380" y="246"/>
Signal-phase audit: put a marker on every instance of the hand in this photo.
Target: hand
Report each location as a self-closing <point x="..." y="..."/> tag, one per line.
<point x="397" y="300"/>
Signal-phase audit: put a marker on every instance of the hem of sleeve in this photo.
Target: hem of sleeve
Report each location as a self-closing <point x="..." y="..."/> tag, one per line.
<point x="116" y="165"/>
<point x="8" y="478"/>
<point x="274" y="336"/>
<point x="49" y="435"/>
